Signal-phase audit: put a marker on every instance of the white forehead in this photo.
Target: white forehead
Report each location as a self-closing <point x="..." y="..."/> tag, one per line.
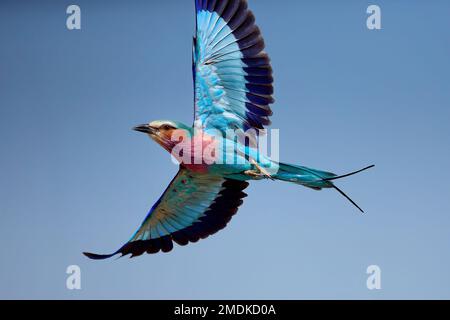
<point x="159" y="123"/>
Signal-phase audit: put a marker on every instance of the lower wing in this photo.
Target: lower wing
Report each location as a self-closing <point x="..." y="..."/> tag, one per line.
<point x="194" y="206"/>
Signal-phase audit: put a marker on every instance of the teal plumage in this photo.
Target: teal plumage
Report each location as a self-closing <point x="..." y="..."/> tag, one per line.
<point x="233" y="88"/>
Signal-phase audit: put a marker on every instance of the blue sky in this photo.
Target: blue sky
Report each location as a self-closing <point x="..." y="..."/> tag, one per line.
<point x="74" y="177"/>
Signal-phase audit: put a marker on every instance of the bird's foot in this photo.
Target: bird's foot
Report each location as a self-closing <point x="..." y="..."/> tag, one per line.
<point x="260" y="172"/>
<point x="255" y="174"/>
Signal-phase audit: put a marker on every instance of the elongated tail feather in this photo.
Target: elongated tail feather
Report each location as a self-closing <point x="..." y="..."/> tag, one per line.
<point x="313" y="178"/>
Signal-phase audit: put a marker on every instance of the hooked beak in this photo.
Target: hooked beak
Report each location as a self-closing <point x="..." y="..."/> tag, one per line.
<point x="144" y="128"/>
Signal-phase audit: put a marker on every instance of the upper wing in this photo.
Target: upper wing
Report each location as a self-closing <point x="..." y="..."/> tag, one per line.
<point x="232" y="75"/>
<point x="193" y="207"/>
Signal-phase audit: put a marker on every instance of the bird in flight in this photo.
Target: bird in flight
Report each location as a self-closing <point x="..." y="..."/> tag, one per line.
<point x="233" y="91"/>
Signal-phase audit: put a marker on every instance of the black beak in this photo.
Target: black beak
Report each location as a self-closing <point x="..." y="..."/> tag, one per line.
<point x="144" y="128"/>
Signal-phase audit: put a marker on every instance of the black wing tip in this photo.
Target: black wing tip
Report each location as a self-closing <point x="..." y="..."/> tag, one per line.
<point x="95" y="256"/>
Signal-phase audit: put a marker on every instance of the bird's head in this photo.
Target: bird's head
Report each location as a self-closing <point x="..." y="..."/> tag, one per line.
<point x="165" y="132"/>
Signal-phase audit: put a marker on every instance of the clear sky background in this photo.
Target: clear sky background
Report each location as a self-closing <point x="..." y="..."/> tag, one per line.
<point x="75" y="177"/>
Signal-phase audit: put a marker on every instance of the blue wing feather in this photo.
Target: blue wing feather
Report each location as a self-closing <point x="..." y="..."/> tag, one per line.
<point x="232" y="75"/>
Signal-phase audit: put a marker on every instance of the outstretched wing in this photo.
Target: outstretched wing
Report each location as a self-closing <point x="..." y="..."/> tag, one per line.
<point x="193" y="207"/>
<point x="232" y="74"/>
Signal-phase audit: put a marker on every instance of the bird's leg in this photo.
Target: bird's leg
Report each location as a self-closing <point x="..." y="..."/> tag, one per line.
<point x="254" y="173"/>
<point x="259" y="173"/>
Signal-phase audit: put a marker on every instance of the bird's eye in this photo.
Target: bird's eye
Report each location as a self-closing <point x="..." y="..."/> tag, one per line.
<point x="166" y="127"/>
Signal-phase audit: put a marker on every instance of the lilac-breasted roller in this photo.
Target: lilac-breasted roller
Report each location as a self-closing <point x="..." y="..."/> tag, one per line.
<point x="233" y="91"/>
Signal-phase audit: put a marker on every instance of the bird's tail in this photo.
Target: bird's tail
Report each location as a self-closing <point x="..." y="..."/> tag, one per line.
<point x="313" y="178"/>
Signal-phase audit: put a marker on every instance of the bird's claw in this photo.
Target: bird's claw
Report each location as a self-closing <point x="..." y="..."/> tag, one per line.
<point x="260" y="172"/>
<point x="255" y="174"/>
